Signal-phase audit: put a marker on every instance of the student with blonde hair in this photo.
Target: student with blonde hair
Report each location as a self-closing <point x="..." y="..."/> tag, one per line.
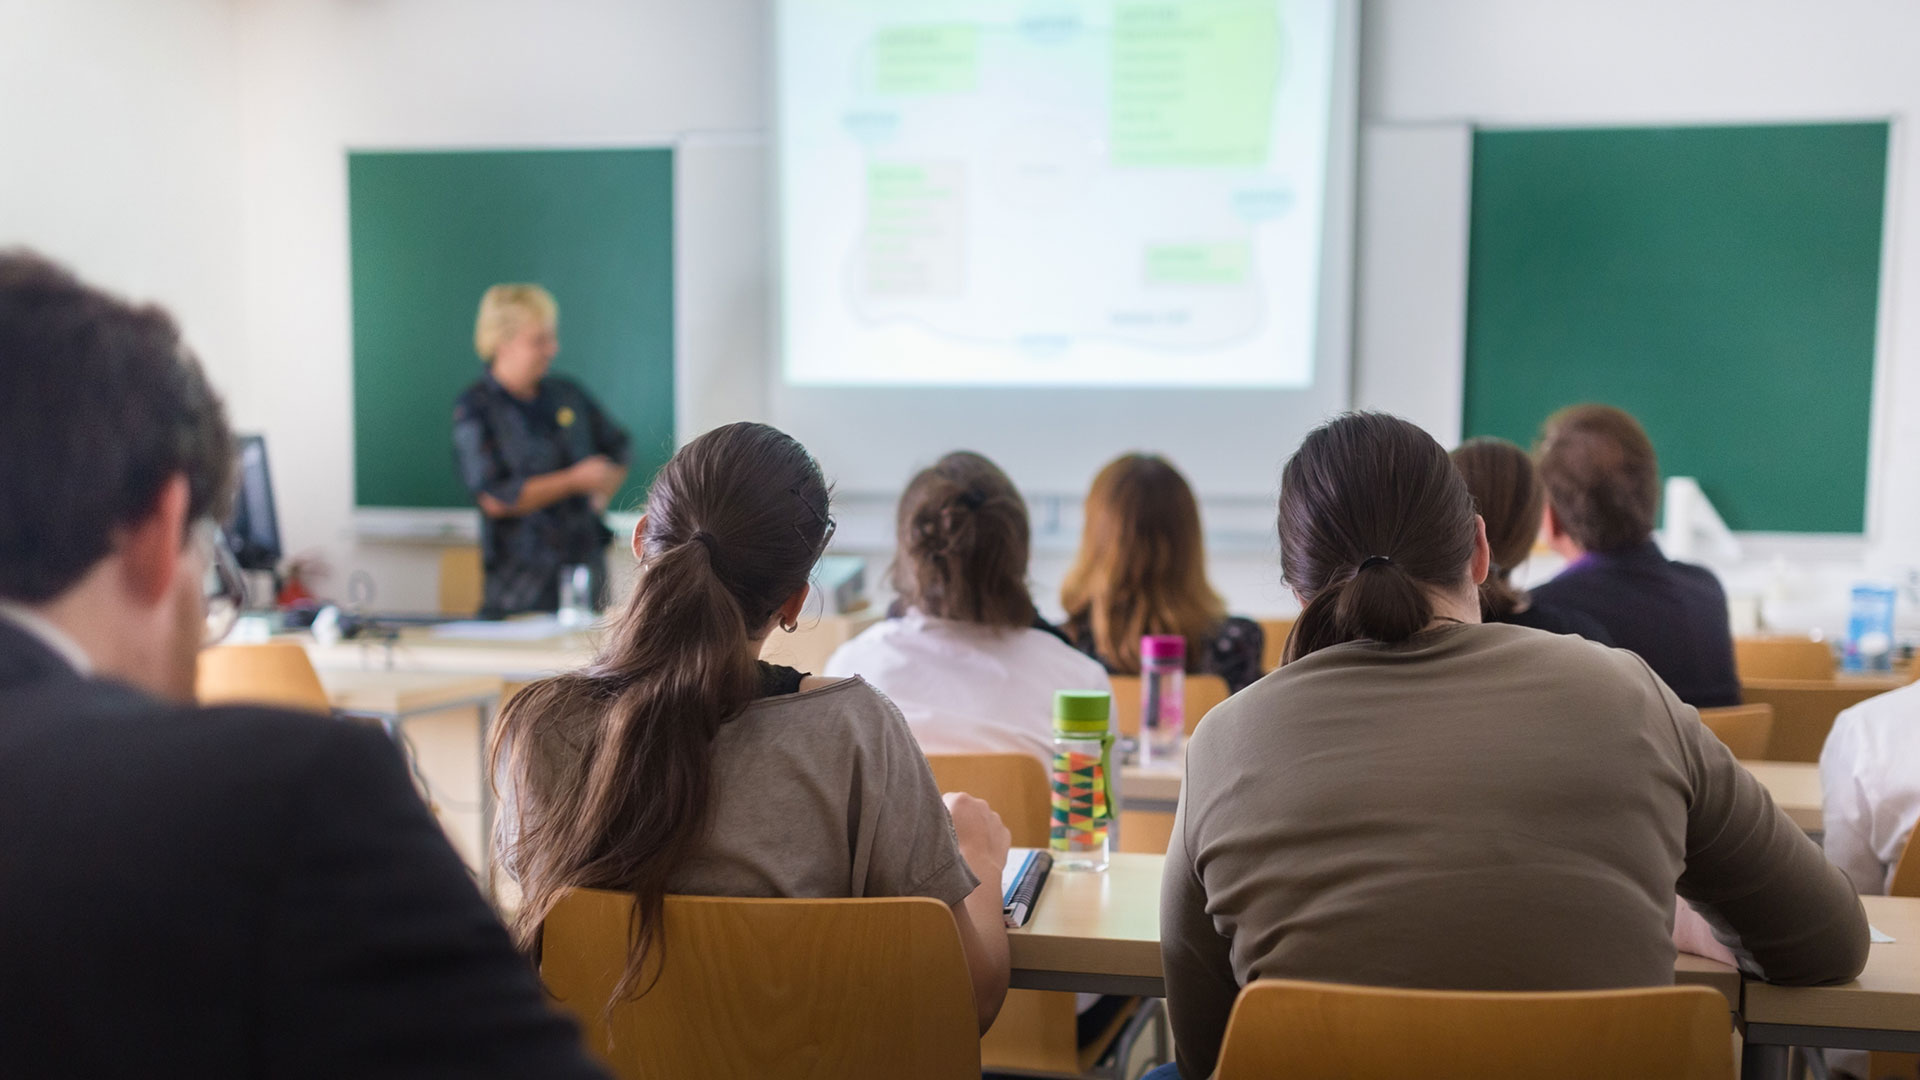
<point x="1142" y="569"/>
<point x="539" y="455"/>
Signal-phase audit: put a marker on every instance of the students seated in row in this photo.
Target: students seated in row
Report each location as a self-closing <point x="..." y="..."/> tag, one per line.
<point x="1142" y="569"/>
<point x="967" y="659"/>
<point x="678" y="762"/>
<point x="1420" y="800"/>
<point x="1870" y="772"/>
<point x="1603" y="490"/>
<point x="1501" y="479"/>
<point x="197" y="892"/>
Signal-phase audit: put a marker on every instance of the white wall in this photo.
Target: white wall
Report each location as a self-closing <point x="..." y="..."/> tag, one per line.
<point x="120" y="155"/>
<point x="196" y="109"/>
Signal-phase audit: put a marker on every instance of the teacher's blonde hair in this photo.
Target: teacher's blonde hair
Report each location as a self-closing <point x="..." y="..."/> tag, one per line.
<point x="505" y="309"/>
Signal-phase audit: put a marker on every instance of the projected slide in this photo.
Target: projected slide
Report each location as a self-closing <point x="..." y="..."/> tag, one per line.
<point x="986" y="192"/>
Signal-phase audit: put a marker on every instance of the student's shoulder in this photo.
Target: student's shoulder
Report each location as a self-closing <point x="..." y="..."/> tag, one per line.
<point x="842" y="704"/>
<point x="1699" y="576"/>
<point x="472" y="400"/>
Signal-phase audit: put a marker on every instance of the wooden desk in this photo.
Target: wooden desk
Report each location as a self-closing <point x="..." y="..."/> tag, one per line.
<point x="1100" y="933"/>
<point x="448" y="761"/>
<point x="1878" y="1011"/>
<point x="1794" y="785"/>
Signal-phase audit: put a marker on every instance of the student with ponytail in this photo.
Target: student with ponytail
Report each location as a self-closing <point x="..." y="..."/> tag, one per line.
<point x="1417" y="799"/>
<point x="965" y="656"/>
<point x="678" y="762"/>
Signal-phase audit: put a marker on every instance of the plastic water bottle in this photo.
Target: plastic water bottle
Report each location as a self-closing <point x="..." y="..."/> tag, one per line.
<point x="1870" y="629"/>
<point x="1163" y="697"/>
<point x="1082" y="775"/>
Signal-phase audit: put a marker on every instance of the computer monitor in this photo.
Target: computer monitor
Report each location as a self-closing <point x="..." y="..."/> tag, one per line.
<point x="254" y="531"/>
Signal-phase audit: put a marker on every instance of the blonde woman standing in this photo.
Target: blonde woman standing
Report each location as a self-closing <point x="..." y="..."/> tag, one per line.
<point x="540" y="456"/>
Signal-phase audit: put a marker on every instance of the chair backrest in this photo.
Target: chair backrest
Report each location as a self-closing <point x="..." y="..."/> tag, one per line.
<point x="1906" y="872"/>
<point x="1309" y="1031"/>
<point x="771" y="988"/>
<point x="1782" y="657"/>
<point x="270" y="673"/>
<point x="462" y="580"/>
<point x="1015" y="785"/>
<point x="1203" y="693"/>
<point x="1746" y="729"/>
<point x="1274" y="642"/>
<point x="1803" y="712"/>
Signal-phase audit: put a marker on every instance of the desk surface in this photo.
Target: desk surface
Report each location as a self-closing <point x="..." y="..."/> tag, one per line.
<point x="1093" y="927"/>
<point x="1886" y="997"/>
<point x="401" y="693"/>
<point x="1794" y="785"/>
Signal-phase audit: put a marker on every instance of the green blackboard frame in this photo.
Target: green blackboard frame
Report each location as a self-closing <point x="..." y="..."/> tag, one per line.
<point x="430" y="231"/>
<point x="1720" y="283"/>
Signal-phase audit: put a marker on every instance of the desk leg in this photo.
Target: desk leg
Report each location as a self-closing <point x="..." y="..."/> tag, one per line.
<point x="1764" y="1062"/>
<point x="484" y="717"/>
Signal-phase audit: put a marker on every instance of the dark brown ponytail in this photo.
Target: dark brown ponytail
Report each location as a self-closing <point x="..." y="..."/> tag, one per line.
<point x="1372" y="515"/>
<point x="1500" y="477"/>
<point x="735" y="522"/>
<point x="963" y="544"/>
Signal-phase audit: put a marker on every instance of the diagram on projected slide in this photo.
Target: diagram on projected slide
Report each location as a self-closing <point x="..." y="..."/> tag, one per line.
<point x="1036" y="185"/>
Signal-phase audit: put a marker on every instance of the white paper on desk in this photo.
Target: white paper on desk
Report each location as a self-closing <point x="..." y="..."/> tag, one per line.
<point x="538" y="628"/>
<point x="1880" y="937"/>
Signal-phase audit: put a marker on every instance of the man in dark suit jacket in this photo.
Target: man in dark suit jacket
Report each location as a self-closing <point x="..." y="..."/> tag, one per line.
<point x="1603" y="489"/>
<point x="185" y="891"/>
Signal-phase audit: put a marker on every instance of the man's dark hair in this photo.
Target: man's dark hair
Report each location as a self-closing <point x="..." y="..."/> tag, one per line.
<point x="100" y="404"/>
<point x="1601" y="476"/>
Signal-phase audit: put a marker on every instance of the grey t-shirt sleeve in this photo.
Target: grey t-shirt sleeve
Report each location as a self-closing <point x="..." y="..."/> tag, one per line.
<point x="914" y="851"/>
<point x="1767" y="890"/>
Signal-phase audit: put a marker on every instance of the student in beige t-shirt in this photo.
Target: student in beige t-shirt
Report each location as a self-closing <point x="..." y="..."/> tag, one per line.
<point x="1419" y="800"/>
<point x="679" y="763"/>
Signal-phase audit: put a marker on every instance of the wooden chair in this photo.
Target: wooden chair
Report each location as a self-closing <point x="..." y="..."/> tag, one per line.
<point x="1803" y="712"/>
<point x="1882" y="1064"/>
<point x="1782" y="657"/>
<point x="1203" y="693"/>
<point x="462" y="580"/>
<point x="271" y="673"/>
<point x="1275" y="643"/>
<point x="1015" y="785"/>
<point x="864" y="989"/>
<point x="1037" y="1030"/>
<point x="1310" y="1031"/>
<point x="1746" y="729"/>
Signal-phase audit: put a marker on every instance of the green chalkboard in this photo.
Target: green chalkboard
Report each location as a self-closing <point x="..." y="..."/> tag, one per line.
<point x="1720" y="283"/>
<point x="431" y="231"/>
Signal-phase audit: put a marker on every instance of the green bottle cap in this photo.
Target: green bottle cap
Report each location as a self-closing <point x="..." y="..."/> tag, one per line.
<point x="1081" y="712"/>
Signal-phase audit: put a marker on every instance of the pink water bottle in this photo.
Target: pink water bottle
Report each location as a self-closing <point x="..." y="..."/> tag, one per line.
<point x="1163" y="697"/>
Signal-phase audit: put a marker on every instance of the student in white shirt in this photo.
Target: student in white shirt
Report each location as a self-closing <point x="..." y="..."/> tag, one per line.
<point x="967" y="658"/>
<point x="1870" y="770"/>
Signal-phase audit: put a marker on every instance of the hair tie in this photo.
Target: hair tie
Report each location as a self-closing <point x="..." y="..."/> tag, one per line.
<point x="971" y="500"/>
<point x="705" y="539"/>
<point x="1374" y="560"/>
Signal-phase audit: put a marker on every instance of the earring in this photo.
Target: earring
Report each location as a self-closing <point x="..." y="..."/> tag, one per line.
<point x="790" y="627"/>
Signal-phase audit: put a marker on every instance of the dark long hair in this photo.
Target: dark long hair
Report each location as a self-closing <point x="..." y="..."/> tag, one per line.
<point x="1371" y="510"/>
<point x="963" y="544"/>
<point x="735" y="522"/>
<point x="1500" y="477"/>
<point x="1142" y="566"/>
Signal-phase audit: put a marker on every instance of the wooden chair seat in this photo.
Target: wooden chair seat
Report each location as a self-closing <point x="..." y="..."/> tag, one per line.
<point x="1782" y="657"/>
<point x="1803" y="712"/>
<point x="1320" y="1031"/>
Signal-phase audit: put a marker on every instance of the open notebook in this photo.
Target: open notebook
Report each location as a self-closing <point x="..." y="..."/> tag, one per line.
<point x="1020" y="882"/>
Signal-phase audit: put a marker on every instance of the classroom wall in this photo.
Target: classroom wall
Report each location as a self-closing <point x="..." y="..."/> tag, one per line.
<point x="1649" y="62"/>
<point x="252" y="105"/>
<point x="120" y="155"/>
